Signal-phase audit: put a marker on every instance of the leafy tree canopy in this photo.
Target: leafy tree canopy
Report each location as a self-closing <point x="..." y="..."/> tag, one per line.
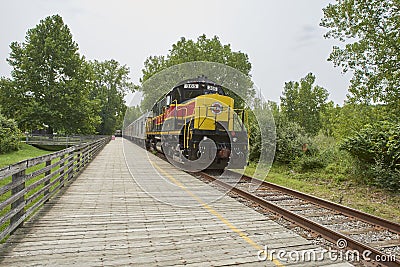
<point x="370" y="29"/>
<point x="111" y="84"/>
<point x="302" y="102"/>
<point x="203" y="49"/>
<point x="49" y="81"/>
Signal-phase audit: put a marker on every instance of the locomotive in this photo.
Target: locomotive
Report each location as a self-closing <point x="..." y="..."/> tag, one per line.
<point x="195" y="122"/>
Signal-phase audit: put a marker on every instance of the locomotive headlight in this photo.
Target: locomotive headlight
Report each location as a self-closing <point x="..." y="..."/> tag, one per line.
<point x="234" y="139"/>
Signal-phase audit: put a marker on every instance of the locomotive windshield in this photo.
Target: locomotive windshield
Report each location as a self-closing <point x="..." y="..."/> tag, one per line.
<point x="192" y="90"/>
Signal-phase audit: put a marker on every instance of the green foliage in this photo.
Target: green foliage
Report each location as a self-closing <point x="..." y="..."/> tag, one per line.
<point x="203" y="49"/>
<point x="290" y="139"/>
<point x="261" y="127"/>
<point x="377" y="141"/>
<point x="9" y="135"/>
<point x="370" y="29"/>
<point x="329" y="118"/>
<point x="49" y="81"/>
<point x="111" y="83"/>
<point x="321" y="153"/>
<point x="342" y="122"/>
<point x="254" y="138"/>
<point x="131" y="114"/>
<point x="312" y="162"/>
<point x="383" y="176"/>
<point x="302" y="102"/>
<point x="377" y="148"/>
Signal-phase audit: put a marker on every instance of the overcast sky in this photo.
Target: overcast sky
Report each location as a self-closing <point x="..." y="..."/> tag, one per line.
<point x="282" y="37"/>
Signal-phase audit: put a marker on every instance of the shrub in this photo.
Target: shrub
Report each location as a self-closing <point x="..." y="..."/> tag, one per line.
<point x="290" y="138"/>
<point x="377" y="149"/>
<point x="311" y="162"/>
<point x="384" y="176"/>
<point x="9" y="135"/>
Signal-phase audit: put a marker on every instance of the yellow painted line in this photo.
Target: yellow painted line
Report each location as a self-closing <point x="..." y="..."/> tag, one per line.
<point x="216" y="214"/>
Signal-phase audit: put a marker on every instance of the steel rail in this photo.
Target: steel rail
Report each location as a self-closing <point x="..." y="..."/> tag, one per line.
<point x="325" y="232"/>
<point x="368" y="218"/>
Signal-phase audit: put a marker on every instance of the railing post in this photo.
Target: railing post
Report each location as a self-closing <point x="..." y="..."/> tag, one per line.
<point x="96" y="148"/>
<point x="47" y="182"/>
<point x="62" y="172"/>
<point x="70" y="166"/>
<point x="18" y="178"/>
<point x="90" y="152"/>
<point x="85" y="155"/>
<point x="78" y="160"/>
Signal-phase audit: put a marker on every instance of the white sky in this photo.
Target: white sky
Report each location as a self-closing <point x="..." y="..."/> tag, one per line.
<point x="282" y="37"/>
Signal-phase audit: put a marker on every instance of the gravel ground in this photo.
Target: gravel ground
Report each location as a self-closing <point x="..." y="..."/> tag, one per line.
<point x="373" y="236"/>
<point x="350" y="225"/>
<point x="311" y="211"/>
<point x="392" y="251"/>
<point x="327" y="219"/>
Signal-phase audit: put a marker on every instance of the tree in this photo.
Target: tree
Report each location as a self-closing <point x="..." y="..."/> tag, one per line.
<point x="203" y="49"/>
<point x="49" y="85"/>
<point x="16" y="104"/>
<point x="111" y="83"/>
<point x="303" y="102"/>
<point x="371" y="30"/>
<point x="9" y="135"/>
<point x="342" y="122"/>
<point x="329" y="118"/>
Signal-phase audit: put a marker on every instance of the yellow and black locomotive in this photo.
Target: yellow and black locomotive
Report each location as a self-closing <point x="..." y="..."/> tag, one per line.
<point x="195" y="121"/>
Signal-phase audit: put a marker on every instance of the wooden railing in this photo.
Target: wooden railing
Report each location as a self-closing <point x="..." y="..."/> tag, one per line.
<point x="60" y="140"/>
<point x="26" y="185"/>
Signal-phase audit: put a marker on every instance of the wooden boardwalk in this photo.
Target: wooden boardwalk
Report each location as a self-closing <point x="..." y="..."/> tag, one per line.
<point x="130" y="208"/>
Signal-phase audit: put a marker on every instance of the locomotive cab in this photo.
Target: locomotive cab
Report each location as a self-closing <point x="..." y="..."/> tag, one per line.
<point x="193" y="111"/>
<point x="190" y="89"/>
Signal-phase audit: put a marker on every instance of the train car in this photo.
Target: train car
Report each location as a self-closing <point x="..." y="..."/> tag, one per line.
<point x="194" y="111"/>
<point x="136" y="131"/>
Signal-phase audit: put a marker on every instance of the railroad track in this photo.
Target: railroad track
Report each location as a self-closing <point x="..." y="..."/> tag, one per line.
<point x="353" y="229"/>
<point x="377" y="238"/>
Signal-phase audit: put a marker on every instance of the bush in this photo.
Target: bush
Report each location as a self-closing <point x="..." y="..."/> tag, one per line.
<point x="377" y="149"/>
<point x="9" y="135"/>
<point x="311" y="162"/>
<point x="290" y="138"/>
<point x="384" y="176"/>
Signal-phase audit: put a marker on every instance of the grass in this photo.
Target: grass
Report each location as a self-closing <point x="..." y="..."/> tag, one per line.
<point x="348" y="192"/>
<point x="26" y="152"/>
